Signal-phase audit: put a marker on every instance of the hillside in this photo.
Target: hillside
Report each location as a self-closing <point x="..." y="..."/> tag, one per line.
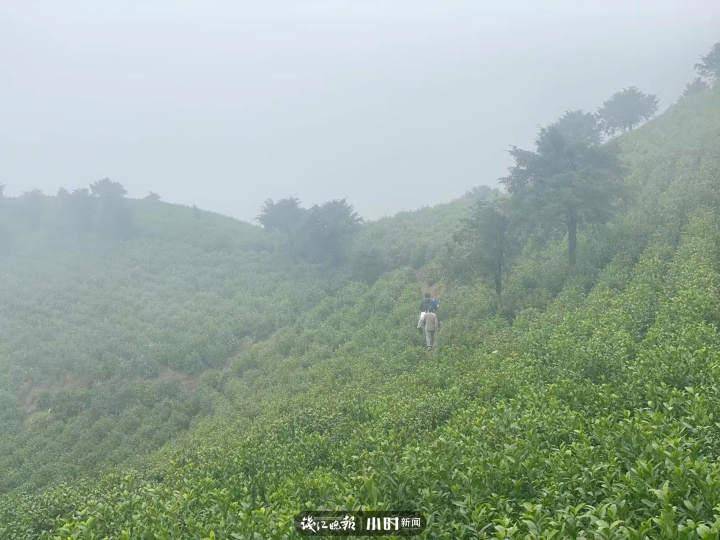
<point x="587" y="407"/>
<point x="109" y="346"/>
<point x="103" y="342"/>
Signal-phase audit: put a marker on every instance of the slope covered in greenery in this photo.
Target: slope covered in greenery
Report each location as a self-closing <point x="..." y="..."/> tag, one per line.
<point x="585" y="407"/>
<point x="110" y="345"/>
<point x="103" y="342"/>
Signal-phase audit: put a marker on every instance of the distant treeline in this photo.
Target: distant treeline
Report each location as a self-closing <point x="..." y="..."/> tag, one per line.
<point x="100" y="208"/>
<point x="322" y="233"/>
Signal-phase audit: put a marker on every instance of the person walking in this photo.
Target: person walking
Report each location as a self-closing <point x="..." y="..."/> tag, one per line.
<point x="431" y="324"/>
<point x="425" y="306"/>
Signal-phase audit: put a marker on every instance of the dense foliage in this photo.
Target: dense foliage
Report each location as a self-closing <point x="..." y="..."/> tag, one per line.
<point x="585" y="407"/>
<point x="321" y="233"/>
<point x="626" y="109"/>
<point x="485" y="243"/>
<point x="568" y="180"/>
<point x="709" y="65"/>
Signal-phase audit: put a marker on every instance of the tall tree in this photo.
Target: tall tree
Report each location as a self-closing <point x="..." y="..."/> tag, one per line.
<point x="485" y="243"/>
<point x="113" y="215"/>
<point x="568" y="180"/>
<point x="328" y="229"/>
<point x="107" y="189"/>
<point x="709" y="65"/>
<point x="626" y="109"/>
<point x="285" y="215"/>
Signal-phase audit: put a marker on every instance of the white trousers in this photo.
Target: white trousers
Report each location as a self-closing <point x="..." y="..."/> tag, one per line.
<point x="421" y="319"/>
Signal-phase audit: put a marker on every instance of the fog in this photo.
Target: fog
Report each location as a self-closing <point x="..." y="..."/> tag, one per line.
<point x="393" y="105"/>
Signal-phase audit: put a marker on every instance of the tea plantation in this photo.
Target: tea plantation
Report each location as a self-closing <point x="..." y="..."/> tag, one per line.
<point x="192" y="381"/>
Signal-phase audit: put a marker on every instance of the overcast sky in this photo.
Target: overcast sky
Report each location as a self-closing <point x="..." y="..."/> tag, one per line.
<point x="391" y="104"/>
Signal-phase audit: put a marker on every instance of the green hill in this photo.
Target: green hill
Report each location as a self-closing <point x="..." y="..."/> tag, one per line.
<point x="586" y="407"/>
<point x="109" y="347"/>
<point x="103" y="342"/>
